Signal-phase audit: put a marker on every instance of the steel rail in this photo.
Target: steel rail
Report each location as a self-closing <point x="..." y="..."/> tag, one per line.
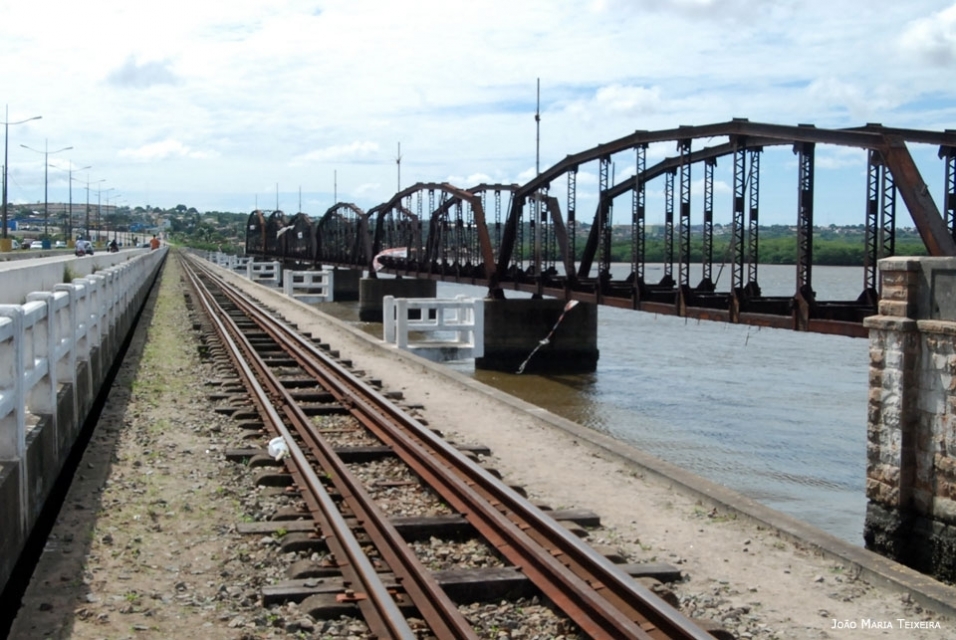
<point x="383" y="616"/>
<point x="432" y="603"/>
<point x="593" y="592"/>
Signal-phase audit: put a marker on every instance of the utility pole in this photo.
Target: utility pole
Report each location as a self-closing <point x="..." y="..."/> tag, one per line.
<point x="537" y="124"/>
<point x="536" y="231"/>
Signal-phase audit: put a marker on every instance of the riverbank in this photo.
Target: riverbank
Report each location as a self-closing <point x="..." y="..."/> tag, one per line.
<point x="146" y="545"/>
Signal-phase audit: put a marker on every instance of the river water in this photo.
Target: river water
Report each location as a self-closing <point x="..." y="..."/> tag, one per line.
<point x="776" y="415"/>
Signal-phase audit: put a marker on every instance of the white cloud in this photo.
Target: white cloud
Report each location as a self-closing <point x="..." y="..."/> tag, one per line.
<point x="163" y="150"/>
<point x="617" y="101"/>
<point x="366" y="188"/>
<point x="471" y="180"/>
<point x="839" y="158"/>
<point x="859" y="102"/>
<point x="340" y="153"/>
<point x="139" y="75"/>
<point x="932" y="39"/>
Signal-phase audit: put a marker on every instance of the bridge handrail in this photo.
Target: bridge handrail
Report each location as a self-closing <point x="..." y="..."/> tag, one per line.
<point x="268" y="273"/>
<point x="42" y="340"/>
<point x="311" y="285"/>
<point x="463" y="316"/>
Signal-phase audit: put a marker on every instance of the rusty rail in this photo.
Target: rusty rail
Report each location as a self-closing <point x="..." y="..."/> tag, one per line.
<point x="602" y="600"/>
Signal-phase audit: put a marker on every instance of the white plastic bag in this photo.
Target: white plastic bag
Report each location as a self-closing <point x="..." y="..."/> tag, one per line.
<point x="278" y="449"/>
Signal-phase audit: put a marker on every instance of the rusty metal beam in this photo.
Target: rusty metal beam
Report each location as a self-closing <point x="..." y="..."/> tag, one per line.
<point x="871" y="239"/>
<point x="737" y="238"/>
<point x="948" y="155"/>
<point x="638" y="217"/>
<point x="605" y="215"/>
<point x="708" y="226"/>
<point x="806" y="152"/>
<point x="932" y="229"/>
<point x="861" y="138"/>
<point x="684" y="214"/>
<point x="669" y="226"/>
<point x="753" y="234"/>
<point x="942" y="138"/>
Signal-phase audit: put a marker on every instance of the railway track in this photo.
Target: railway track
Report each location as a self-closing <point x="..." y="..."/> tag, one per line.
<point x="357" y="557"/>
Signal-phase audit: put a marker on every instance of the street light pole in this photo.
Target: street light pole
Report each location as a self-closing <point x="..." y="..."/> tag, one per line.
<point x="108" y="197"/>
<point x="6" y="160"/>
<point x="99" y="209"/>
<point x="46" y="174"/>
<point x="70" y="170"/>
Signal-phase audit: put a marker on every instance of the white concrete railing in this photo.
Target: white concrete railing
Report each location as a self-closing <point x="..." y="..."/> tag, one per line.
<point x="445" y="329"/>
<point x="229" y="261"/>
<point x="225" y="260"/>
<point x="241" y="264"/>
<point x="41" y="343"/>
<point x="266" y="273"/>
<point x="305" y="286"/>
<point x="308" y="286"/>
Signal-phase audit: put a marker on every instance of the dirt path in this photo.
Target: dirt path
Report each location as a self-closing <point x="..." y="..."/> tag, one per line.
<point x="146" y="544"/>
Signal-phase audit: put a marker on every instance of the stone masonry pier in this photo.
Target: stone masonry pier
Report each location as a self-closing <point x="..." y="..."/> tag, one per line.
<point x="911" y="425"/>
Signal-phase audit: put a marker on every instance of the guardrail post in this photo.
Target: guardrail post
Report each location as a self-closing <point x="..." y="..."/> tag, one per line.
<point x="388" y="318"/>
<point x="41" y="398"/>
<point x="63" y="306"/>
<point x="401" y="337"/>
<point x="478" y="327"/>
<point x="13" y="428"/>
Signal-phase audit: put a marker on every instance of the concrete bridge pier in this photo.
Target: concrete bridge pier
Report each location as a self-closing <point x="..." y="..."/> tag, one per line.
<point x="373" y="290"/>
<point x="911" y="422"/>
<point x="514" y="328"/>
<point x="345" y="284"/>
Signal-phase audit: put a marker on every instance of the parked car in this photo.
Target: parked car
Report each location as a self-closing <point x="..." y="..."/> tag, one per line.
<point x="59" y="244"/>
<point x="16" y="245"/>
<point x="36" y="244"/>
<point x="84" y="248"/>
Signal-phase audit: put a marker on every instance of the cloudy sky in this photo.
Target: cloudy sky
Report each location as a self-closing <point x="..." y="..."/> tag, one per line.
<point x="230" y="106"/>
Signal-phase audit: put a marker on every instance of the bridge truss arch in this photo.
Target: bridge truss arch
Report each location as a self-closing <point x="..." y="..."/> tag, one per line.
<point x="342" y="236"/>
<point x="453" y="242"/>
<point x="256" y="233"/>
<point x="274" y="238"/>
<point x="532" y="246"/>
<point x="297" y="239"/>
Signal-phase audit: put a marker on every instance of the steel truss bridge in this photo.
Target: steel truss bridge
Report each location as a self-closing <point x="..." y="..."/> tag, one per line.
<point x="525" y="237"/>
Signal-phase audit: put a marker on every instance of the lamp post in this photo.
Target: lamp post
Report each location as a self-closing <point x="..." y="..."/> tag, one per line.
<point x="46" y="173"/>
<point x="70" y="237"/>
<point x="89" y="236"/>
<point x="6" y="161"/>
<point x="99" y="208"/>
<point x="110" y="196"/>
<point x="70" y="170"/>
<point x="116" y="220"/>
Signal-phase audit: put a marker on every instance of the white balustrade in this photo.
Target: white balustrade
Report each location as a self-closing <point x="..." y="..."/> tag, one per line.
<point x="267" y="273"/>
<point x="308" y="286"/>
<point x="42" y="344"/>
<point x="225" y="260"/>
<point x="443" y="329"/>
<point x="241" y="264"/>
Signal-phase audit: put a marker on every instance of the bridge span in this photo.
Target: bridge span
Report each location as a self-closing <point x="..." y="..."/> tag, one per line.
<point x="534" y="238"/>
